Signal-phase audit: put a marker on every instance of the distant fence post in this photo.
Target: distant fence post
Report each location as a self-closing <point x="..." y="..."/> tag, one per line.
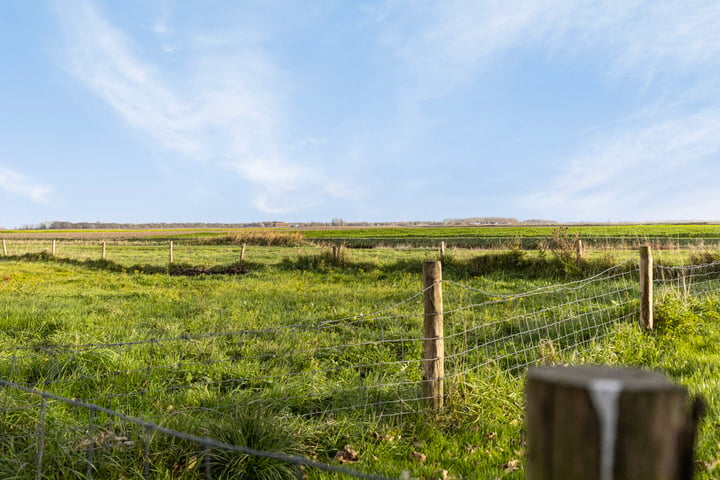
<point x="171" y="251"/>
<point x="338" y="253"/>
<point x="442" y="250"/>
<point x="434" y="358"/>
<point x="54" y="247"/>
<point x="104" y="250"/>
<point x="579" y="249"/>
<point x="242" y="252"/>
<point x="4" y="248"/>
<point x="646" y="288"/>
<point x="602" y="423"/>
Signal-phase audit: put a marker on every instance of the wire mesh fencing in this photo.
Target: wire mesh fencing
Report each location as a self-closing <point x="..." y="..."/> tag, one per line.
<point x="488" y="334"/>
<point x="150" y="406"/>
<point x="688" y="280"/>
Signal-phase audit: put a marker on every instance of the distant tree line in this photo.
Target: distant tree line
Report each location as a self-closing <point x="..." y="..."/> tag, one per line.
<point x="335" y="222"/>
<point x="60" y="225"/>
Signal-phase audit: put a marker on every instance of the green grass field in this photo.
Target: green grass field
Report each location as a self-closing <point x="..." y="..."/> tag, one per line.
<point x="312" y="356"/>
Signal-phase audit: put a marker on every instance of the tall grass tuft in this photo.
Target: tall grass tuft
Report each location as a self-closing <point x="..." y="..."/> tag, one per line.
<point x="261" y="238"/>
<point x="254" y="430"/>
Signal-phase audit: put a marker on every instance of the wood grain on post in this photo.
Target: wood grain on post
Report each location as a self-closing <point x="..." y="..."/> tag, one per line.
<point x="646" y="288"/>
<point x="601" y="423"/>
<point x="434" y="357"/>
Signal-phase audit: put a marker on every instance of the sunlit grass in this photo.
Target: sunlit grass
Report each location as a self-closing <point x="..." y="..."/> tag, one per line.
<point x="190" y="379"/>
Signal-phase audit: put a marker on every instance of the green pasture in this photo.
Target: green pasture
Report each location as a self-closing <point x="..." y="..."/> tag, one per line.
<point x="608" y="237"/>
<point x="309" y="354"/>
<point x="140" y="254"/>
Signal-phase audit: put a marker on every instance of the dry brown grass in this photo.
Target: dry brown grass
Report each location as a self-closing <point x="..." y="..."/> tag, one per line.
<point x="264" y="238"/>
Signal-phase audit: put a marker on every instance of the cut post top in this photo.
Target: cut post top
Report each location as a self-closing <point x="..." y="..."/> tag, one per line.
<point x="582" y="376"/>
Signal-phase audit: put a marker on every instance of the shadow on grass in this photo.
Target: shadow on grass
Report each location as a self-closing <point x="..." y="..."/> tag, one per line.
<point x="175" y="269"/>
<point x="514" y="263"/>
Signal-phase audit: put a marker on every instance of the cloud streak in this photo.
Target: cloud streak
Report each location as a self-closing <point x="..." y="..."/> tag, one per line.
<point x="220" y="108"/>
<point x="459" y="38"/>
<point x="17" y="184"/>
<point x="636" y="168"/>
<point x="633" y="165"/>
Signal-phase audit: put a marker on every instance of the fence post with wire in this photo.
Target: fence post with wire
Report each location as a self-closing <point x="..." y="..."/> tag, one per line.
<point x="434" y="358"/>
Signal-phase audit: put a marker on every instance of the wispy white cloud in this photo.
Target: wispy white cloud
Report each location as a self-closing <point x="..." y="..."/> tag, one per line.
<point x="637" y="42"/>
<point x="222" y="107"/>
<point x="645" y="169"/>
<point x="455" y="40"/>
<point x="15" y="183"/>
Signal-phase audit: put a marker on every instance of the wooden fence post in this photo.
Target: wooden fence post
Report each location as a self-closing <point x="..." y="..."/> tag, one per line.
<point x="104" y="250"/>
<point x="579" y="249"/>
<point x="646" y="288"/>
<point x="602" y="423"/>
<point x="434" y="358"/>
<point x="242" y="252"/>
<point x="171" y="251"/>
<point x="338" y="253"/>
<point x="54" y="247"/>
<point x="442" y="250"/>
<point x="4" y="248"/>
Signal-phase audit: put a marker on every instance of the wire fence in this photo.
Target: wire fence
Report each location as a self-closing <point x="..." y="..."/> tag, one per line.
<point x="160" y="252"/>
<point x="109" y="409"/>
<point x="688" y="280"/>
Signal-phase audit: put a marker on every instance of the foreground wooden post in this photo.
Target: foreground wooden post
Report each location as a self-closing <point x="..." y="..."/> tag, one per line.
<point x="601" y="423"/>
<point x="171" y="251"/>
<point x="434" y="358"/>
<point x="646" y="288"/>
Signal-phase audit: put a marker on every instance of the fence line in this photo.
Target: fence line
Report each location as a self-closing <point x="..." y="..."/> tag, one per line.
<point x="206" y="443"/>
<point x="394" y="370"/>
<point x="505" y="334"/>
<point x="690" y="280"/>
<point x="369" y="363"/>
<point x="196" y="253"/>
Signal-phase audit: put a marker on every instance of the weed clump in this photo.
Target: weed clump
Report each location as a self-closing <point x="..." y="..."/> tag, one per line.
<point x="254" y="431"/>
<point x="260" y="238"/>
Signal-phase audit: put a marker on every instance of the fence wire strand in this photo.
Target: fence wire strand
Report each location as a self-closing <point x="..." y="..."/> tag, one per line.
<point x="369" y="363"/>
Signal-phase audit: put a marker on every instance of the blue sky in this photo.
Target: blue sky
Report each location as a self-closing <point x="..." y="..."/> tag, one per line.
<point x="240" y="111"/>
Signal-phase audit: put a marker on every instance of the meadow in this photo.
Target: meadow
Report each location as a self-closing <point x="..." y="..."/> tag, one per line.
<point x="318" y="356"/>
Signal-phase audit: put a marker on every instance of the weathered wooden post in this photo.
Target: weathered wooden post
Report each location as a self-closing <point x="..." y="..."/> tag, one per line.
<point x="104" y="250"/>
<point x="434" y="357"/>
<point x="338" y="253"/>
<point x="4" y="248"/>
<point x="442" y="250"/>
<point x="646" y="288"/>
<point x="579" y="250"/>
<point x="54" y="247"/>
<point x="242" y="252"/>
<point x="171" y="251"/>
<point x="602" y="423"/>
